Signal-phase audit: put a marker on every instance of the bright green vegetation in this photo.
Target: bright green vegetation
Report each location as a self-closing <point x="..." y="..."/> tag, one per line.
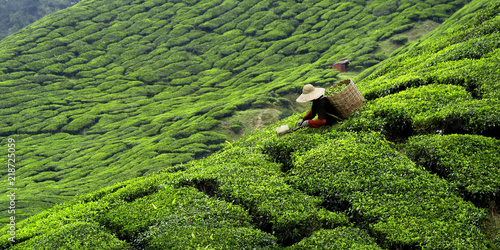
<point x="106" y="91"/>
<point x="469" y="162"/>
<point x="338" y="238"/>
<point x="343" y="189"/>
<point x="336" y="88"/>
<point x="394" y="176"/>
<point x="427" y="109"/>
<point x="401" y="204"/>
<point x="448" y="84"/>
<point x="467" y="57"/>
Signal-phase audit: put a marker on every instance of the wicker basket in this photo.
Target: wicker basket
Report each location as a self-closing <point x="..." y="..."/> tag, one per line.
<point x="348" y="99"/>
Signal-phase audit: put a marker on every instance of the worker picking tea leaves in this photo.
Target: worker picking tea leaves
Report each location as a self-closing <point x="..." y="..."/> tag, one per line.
<point x="321" y="106"/>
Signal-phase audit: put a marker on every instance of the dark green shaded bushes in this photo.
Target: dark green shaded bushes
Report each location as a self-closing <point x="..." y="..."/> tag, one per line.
<point x="401" y="204"/>
<point x="468" y="162"/>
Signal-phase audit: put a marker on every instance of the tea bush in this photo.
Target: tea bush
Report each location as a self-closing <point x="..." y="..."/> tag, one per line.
<point x="464" y="57"/>
<point x="61" y="225"/>
<point x="242" y="177"/>
<point x="401" y="204"/>
<point x="468" y="162"/>
<point x="464" y="116"/>
<point x="77" y="235"/>
<point x="173" y="217"/>
<point x="338" y="238"/>
<point x="281" y="149"/>
<point x="399" y="114"/>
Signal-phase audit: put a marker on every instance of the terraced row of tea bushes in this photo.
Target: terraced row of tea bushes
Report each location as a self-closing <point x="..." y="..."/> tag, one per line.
<point x="172" y="216"/>
<point x="55" y="168"/>
<point x="88" y="236"/>
<point x="239" y="197"/>
<point x="469" y="162"/>
<point x="468" y="56"/>
<point x="141" y="213"/>
<point x="338" y="238"/>
<point x="427" y="109"/>
<point x="247" y="178"/>
<point x="401" y="204"/>
<point x="69" y="225"/>
<point x="236" y="175"/>
<point x="184" y="218"/>
<point x="178" y="67"/>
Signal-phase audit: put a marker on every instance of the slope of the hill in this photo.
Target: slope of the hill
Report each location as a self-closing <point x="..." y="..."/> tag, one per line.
<point x="106" y="91"/>
<point x="457" y="73"/>
<point x="327" y="188"/>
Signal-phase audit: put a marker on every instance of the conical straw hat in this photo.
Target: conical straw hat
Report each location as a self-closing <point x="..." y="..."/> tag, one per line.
<point x="310" y="93"/>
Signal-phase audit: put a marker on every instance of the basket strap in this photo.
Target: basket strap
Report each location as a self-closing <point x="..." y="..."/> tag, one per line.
<point x="334" y="116"/>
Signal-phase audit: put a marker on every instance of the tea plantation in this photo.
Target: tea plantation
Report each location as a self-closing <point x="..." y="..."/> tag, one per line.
<point x="106" y="91"/>
<point x="122" y="103"/>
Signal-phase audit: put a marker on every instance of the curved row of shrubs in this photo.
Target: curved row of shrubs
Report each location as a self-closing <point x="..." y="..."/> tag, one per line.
<point x="400" y="203"/>
<point x="468" y="162"/>
<point x="467" y="56"/>
<point x="426" y="109"/>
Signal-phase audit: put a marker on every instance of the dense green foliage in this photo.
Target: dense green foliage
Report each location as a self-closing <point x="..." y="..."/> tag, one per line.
<point x="404" y="206"/>
<point x="394" y="176"/>
<point x="339" y="238"/>
<point x="427" y="109"/>
<point x="448" y="84"/>
<point x="105" y="91"/>
<point x="469" y="162"/>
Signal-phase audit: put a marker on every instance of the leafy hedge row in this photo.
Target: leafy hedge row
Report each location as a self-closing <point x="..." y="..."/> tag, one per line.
<point x="184" y="218"/>
<point x="238" y="197"/>
<point x="427" y="109"/>
<point x="467" y="56"/>
<point x="76" y="235"/>
<point x="339" y="238"/>
<point x="248" y="178"/>
<point x="68" y="225"/>
<point x="401" y="204"/>
<point x="142" y="213"/>
<point x="468" y="162"/>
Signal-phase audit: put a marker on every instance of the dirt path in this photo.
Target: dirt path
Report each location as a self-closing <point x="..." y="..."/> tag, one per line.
<point x="258" y="123"/>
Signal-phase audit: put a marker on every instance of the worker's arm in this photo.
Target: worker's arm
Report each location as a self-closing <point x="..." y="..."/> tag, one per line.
<point x="316" y="123"/>
<point x="309" y="115"/>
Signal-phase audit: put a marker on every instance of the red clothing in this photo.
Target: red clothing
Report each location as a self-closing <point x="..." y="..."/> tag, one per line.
<point x="314" y="123"/>
<point x="323" y="108"/>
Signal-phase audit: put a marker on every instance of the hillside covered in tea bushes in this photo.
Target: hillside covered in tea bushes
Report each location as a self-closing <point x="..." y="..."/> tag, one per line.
<point x="105" y="91"/>
<point x="416" y="167"/>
